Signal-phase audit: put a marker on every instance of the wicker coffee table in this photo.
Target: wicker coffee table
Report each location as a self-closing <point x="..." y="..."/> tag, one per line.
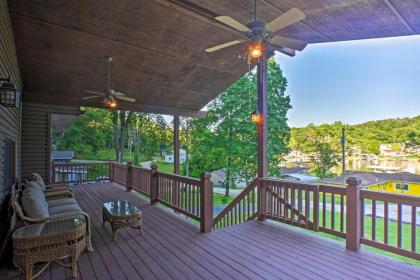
<point x="122" y="213"/>
<point x="49" y="242"/>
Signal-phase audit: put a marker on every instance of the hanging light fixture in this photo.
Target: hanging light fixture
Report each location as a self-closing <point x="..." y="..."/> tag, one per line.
<point x="257" y="117"/>
<point x="256" y="50"/>
<point x="9" y="94"/>
<point x="111" y="103"/>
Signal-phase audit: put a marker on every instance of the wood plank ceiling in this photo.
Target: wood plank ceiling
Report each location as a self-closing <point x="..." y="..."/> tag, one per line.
<point x="158" y="45"/>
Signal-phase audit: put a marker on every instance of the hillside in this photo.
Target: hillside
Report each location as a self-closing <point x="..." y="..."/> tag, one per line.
<point x="367" y="136"/>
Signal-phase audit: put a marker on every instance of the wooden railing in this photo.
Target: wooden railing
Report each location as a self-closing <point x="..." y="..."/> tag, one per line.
<point x="188" y="196"/>
<point x="332" y="215"/>
<point x="290" y="202"/>
<point x="180" y="193"/>
<point x="378" y="219"/>
<point x="77" y="173"/>
<point x="118" y="172"/>
<point x="141" y="179"/>
<point x="241" y="209"/>
<point x="388" y="219"/>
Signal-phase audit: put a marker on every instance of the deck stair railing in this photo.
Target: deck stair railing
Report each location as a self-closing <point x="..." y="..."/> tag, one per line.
<point x="242" y="208"/>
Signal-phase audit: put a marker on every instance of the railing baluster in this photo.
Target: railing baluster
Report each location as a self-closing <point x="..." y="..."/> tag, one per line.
<point x="299" y="204"/>
<point x="413" y="228"/>
<point x="399" y="227"/>
<point x="341" y="213"/>
<point x="362" y="217"/>
<point x="373" y="219"/>
<point x="332" y="211"/>
<point x="324" y="206"/>
<point x="386" y="222"/>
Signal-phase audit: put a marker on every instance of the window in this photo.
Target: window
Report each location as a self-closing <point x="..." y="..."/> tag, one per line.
<point x="401" y="186"/>
<point x="9" y="165"/>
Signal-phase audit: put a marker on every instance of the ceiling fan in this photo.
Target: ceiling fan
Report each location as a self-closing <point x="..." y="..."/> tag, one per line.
<point x="110" y="96"/>
<point x="259" y="35"/>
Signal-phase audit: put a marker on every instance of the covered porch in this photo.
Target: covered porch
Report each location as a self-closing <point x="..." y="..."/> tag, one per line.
<point x="173" y="248"/>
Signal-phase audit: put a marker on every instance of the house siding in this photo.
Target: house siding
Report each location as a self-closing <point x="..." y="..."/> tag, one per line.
<point x="36" y="137"/>
<point x="10" y="119"/>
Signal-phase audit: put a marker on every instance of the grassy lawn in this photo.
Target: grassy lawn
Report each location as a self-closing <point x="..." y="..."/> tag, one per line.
<point x="106" y="154"/>
<point x="392" y="234"/>
<point x="219" y="199"/>
<point x="165" y="167"/>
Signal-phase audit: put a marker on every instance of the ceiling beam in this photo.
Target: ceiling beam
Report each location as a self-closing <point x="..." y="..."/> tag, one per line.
<point x="399" y="16"/>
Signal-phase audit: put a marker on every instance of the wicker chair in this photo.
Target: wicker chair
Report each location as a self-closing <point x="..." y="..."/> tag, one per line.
<point x="16" y="203"/>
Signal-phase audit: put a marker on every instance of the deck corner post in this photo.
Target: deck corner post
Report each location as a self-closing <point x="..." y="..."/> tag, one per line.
<point x="111" y="171"/>
<point x="353" y="214"/>
<point x="129" y="180"/>
<point x="262" y="205"/>
<point x="153" y="185"/>
<point x="206" y="203"/>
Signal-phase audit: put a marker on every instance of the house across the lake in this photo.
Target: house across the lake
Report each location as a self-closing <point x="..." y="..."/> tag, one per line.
<point x="62" y="156"/>
<point x="401" y="182"/>
<point x="169" y="158"/>
<point x="66" y="173"/>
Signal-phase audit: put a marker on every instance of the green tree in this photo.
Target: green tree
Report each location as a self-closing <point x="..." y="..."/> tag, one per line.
<point x="227" y="138"/>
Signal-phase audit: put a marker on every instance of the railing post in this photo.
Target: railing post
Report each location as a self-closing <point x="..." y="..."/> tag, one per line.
<point x="111" y="171"/>
<point x="129" y="180"/>
<point x="316" y="209"/>
<point x="206" y="203"/>
<point x="262" y="200"/>
<point x="154" y="185"/>
<point x="353" y="212"/>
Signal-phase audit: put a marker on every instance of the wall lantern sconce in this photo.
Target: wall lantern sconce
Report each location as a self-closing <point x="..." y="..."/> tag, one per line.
<point x="257" y="117"/>
<point x="9" y="94"/>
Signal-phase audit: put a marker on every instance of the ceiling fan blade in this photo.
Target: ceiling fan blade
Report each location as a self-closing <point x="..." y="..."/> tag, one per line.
<point x="284" y="50"/>
<point x="94" y="92"/>
<point x="233" y="23"/>
<point x="117" y="93"/>
<point x="92" y="97"/>
<point x="288" y="42"/>
<point x="125" y="98"/>
<point x="225" y="45"/>
<point x="288" y="18"/>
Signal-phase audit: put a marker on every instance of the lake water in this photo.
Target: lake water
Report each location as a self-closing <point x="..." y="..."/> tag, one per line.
<point x="403" y="165"/>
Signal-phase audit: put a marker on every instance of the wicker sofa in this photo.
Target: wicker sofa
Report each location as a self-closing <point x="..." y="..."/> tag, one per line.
<point x="33" y="204"/>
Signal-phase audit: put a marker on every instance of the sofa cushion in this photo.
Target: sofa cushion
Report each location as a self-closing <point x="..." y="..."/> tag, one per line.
<point x="62" y="209"/>
<point x="33" y="201"/>
<point x="61" y="201"/>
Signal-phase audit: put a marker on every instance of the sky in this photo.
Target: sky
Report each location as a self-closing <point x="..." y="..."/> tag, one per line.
<point x="353" y="82"/>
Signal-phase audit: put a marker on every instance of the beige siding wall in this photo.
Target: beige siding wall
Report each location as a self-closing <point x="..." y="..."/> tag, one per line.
<point x="36" y="136"/>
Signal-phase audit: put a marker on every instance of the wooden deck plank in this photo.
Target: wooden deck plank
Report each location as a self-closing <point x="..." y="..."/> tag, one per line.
<point x="172" y="248"/>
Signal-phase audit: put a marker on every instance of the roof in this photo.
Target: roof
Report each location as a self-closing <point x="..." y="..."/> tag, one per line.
<point x="372" y="178"/>
<point x="63" y="155"/>
<point x="300" y="177"/>
<point x="158" y="45"/>
<point x="288" y="170"/>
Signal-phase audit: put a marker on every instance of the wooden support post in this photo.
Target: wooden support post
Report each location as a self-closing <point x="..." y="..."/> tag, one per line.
<point x="129" y="180"/>
<point x="111" y="171"/>
<point x="353" y="214"/>
<point x="262" y="135"/>
<point x="176" y="145"/>
<point x="206" y="204"/>
<point x="176" y="161"/>
<point x="154" y="185"/>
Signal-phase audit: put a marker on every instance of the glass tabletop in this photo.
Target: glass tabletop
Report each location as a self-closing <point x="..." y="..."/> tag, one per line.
<point x="121" y="208"/>
<point x="47" y="228"/>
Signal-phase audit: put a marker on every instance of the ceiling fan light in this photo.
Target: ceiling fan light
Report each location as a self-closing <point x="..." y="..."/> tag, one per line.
<point x="111" y="103"/>
<point x="256" y="50"/>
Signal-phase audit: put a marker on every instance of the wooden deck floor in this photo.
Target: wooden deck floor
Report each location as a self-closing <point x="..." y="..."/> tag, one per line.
<point x="172" y="248"/>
